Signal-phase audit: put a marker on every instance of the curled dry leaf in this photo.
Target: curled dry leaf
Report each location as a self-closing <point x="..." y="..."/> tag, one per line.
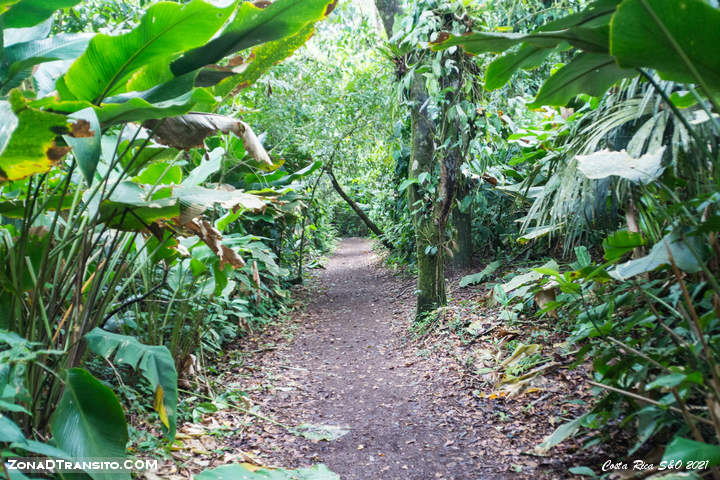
<point x="81" y="129"/>
<point x="190" y="130"/>
<point x="213" y="239"/>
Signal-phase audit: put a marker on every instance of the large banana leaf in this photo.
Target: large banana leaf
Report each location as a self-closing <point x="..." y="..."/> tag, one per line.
<point x="155" y="363"/>
<point x="252" y="26"/>
<point x="648" y="33"/>
<point x="89" y="422"/>
<point x="166" y="30"/>
<point x="11" y="36"/>
<point x="26" y="13"/>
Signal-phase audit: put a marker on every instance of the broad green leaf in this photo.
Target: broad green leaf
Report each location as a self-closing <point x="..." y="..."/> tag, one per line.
<point x="643" y="38"/>
<point x="278" y="178"/>
<point x="160" y="173"/>
<point x="620" y="243"/>
<point x="252" y="26"/>
<point x="166" y="30"/>
<point x="605" y="163"/>
<point x="6" y="4"/>
<point x="562" y="433"/>
<point x="502" y="68"/>
<point x="9" y="432"/>
<point x="89" y="422"/>
<point x="262" y="58"/>
<point x="206" y="168"/>
<point x="589" y="73"/>
<point x="406" y="183"/>
<point x="658" y="257"/>
<point x="484" y="42"/>
<point x="28" y="13"/>
<point x="138" y="109"/>
<point x="86" y="149"/>
<point x="155" y="363"/>
<point x="689" y="450"/>
<point x="585" y="471"/>
<point x="674" y="379"/>
<point x="239" y="472"/>
<point x="31" y="146"/>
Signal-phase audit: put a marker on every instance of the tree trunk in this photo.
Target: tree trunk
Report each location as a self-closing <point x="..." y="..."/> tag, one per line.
<point x="462" y="222"/>
<point x="428" y="232"/>
<point x="370" y="224"/>
<point x="387" y="9"/>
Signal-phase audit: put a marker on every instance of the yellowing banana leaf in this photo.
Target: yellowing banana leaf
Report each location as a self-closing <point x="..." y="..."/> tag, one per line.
<point x="27" y="139"/>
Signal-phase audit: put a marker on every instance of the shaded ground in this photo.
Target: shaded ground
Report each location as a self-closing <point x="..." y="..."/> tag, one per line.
<point x="350" y="370"/>
<point x="415" y="409"/>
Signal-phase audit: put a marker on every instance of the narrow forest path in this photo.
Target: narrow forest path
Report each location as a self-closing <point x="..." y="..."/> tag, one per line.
<point x="348" y="365"/>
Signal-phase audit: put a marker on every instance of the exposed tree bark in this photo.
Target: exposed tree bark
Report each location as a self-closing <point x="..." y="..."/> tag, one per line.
<point x="388" y="9"/>
<point x="370" y="224"/>
<point x="463" y="226"/>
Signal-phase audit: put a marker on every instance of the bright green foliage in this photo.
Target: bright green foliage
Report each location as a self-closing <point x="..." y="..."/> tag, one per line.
<point x="155" y="362"/>
<point x="28" y="13"/>
<point x="110" y="249"/>
<point x="22" y="56"/>
<point x="89" y="422"/>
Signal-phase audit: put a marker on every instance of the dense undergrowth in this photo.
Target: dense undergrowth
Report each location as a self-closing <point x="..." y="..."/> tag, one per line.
<point x="145" y="226"/>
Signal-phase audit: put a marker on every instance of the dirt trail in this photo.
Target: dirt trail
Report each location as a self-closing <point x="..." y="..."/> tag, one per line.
<point x="349" y="365"/>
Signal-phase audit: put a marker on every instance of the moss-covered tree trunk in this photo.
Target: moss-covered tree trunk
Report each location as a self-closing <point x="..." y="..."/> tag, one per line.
<point x="429" y="234"/>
